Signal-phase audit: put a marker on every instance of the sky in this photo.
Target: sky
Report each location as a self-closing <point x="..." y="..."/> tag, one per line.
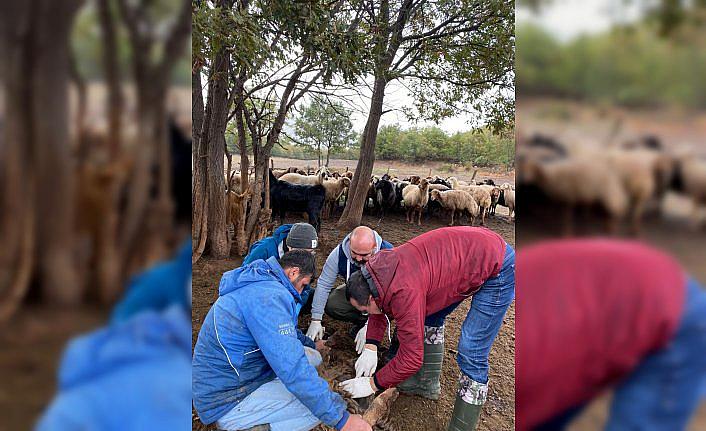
<point x="566" y="19"/>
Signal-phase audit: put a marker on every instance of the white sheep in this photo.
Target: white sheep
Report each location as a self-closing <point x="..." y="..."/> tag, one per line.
<point x="307" y="180"/>
<point x="457" y="201"/>
<point x="334" y="190"/>
<point x="577" y="181"/>
<point x="482" y="195"/>
<point x="507" y="199"/>
<point x="415" y="199"/>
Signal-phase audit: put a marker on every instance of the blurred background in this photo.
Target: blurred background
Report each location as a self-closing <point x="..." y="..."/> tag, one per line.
<point x="611" y="129"/>
<point x="95" y="168"/>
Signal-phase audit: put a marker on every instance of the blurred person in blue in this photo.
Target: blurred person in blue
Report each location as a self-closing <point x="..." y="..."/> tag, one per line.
<point x="600" y="314"/>
<point x="134" y="372"/>
<point x="252" y="366"/>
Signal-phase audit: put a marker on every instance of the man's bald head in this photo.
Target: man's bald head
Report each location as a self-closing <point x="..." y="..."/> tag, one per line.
<point x="362" y="244"/>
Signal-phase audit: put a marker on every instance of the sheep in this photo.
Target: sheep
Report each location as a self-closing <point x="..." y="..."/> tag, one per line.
<point x="482" y="195"/>
<point x="310" y="180"/>
<point x="506" y="198"/>
<point x="385" y="196"/>
<point x="334" y="190"/>
<point x="577" y="181"/>
<point x="451" y="181"/>
<point x="439" y="187"/>
<point x="636" y="171"/>
<point x="441" y="181"/>
<point x="236" y="207"/>
<point x="456" y="200"/>
<point x="399" y="187"/>
<point x="293" y="197"/>
<point x="690" y="178"/>
<point x="415" y="199"/>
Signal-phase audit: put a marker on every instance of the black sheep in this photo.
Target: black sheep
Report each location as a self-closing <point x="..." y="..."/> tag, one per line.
<point x="385" y="196"/>
<point x="297" y="198"/>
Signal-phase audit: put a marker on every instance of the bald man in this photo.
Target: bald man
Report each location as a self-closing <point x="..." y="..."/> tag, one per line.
<point x="355" y="249"/>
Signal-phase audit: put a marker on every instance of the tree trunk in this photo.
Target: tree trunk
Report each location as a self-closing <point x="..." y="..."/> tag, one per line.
<point x="111" y="68"/>
<point x="52" y="152"/>
<point x="16" y="171"/>
<point x="196" y="114"/>
<point x="214" y="140"/>
<point x="241" y="241"/>
<point x="358" y="191"/>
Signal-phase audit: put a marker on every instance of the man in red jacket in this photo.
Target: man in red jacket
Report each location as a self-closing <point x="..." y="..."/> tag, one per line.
<point x="596" y="313"/>
<point x="418" y="285"/>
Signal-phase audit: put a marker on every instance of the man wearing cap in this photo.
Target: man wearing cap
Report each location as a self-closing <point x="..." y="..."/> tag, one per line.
<point x="355" y="249"/>
<point x="297" y="236"/>
<point x="418" y="284"/>
<point x="252" y="366"/>
<point x="286" y="237"/>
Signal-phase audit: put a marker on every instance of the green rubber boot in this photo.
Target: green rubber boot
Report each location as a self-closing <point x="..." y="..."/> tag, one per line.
<point x="469" y="403"/>
<point x="425" y="383"/>
<point x="465" y="416"/>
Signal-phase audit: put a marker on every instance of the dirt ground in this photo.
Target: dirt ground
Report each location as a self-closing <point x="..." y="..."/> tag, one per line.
<point x="31" y="345"/>
<point x="408" y="413"/>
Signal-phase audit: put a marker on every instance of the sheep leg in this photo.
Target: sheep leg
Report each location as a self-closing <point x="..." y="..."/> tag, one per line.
<point x="453" y="212"/>
<point x="482" y="212"/>
<point x="380" y="406"/>
<point x="419" y="219"/>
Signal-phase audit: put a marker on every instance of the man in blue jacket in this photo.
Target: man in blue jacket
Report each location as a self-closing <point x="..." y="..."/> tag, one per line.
<point x="355" y="249"/>
<point x="251" y="364"/>
<point x="286" y="237"/>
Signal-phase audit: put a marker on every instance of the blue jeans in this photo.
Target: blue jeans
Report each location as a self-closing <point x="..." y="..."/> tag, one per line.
<point x="272" y="404"/>
<point x="483" y="321"/>
<point x="664" y="390"/>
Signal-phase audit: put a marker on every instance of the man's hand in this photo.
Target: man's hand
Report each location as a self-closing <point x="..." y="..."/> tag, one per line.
<point x="360" y="339"/>
<point x="360" y="387"/>
<point x="322" y="348"/>
<point x="315" y="331"/>
<point x="356" y="423"/>
<point x="367" y="363"/>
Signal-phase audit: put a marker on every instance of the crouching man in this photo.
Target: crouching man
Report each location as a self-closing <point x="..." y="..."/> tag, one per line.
<point x="251" y="364"/>
<point x="355" y="249"/>
<point x="420" y="283"/>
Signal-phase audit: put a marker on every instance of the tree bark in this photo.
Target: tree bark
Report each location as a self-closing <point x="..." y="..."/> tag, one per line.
<point x="358" y="191"/>
<point x="53" y="159"/>
<point x="16" y="171"/>
<point x="214" y="140"/>
<point x="111" y="69"/>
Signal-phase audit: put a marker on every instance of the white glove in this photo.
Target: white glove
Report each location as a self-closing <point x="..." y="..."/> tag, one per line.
<point x="360" y="339"/>
<point x="367" y="363"/>
<point x="315" y="331"/>
<point x="358" y="387"/>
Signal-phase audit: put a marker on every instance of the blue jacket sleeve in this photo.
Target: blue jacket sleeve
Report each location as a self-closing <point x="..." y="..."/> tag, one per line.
<point x="306" y="341"/>
<point x="276" y="334"/>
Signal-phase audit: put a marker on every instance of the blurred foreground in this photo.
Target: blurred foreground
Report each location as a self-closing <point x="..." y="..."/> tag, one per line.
<point x="94" y="180"/>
